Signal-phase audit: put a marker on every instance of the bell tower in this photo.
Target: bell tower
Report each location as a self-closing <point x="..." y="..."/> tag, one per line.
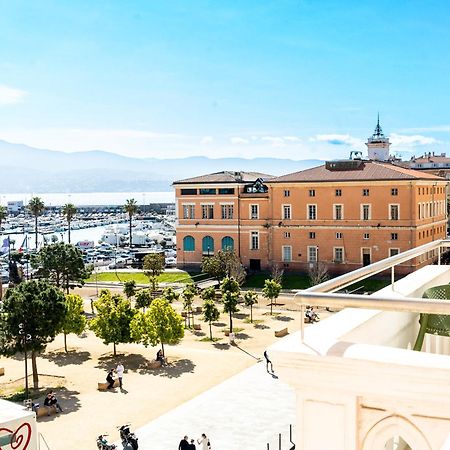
<point x="378" y="145"/>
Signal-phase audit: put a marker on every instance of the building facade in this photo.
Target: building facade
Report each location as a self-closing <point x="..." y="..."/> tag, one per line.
<point x="346" y="214"/>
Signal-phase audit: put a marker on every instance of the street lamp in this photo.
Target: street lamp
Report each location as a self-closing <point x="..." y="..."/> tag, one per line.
<point x="26" y="338"/>
<point x="208" y="251"/>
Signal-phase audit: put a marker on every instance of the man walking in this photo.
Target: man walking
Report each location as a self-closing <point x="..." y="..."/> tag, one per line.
<point x="119" y="371"/>
<point x="184" y="444"/>
<point x="268" y="361"/>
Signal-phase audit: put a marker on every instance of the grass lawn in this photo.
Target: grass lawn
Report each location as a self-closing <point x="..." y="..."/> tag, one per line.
<point x="301" y="281"/>
<point x="290" y="281"/>
<point x="140" y="278"/>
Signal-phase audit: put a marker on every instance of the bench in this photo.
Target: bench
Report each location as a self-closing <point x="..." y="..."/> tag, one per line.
<point x="2" y="371"/>
<point x="197" y="327"/>
<point x="104" y="386"/>
<point x="44" y="411"/>
<point x="281" y="333"/>
<point x="198" y="309"/>
<point x="154" y="364"/>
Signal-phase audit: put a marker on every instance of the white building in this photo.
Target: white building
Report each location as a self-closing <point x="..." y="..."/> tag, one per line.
<point x="358" y="384"/>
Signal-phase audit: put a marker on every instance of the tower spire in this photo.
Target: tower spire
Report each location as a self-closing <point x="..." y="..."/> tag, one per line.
<point x="378" y="144"/>
<point x="378" y="131"/>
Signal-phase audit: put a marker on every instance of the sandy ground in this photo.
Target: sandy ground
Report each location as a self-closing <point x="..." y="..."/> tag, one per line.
<point x="194" y="367"/>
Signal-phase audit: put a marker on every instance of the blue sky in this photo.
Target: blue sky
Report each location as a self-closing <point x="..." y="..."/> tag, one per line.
<point x="297" y="79"/>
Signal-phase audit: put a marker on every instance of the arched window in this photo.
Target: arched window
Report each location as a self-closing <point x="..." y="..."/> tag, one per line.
<point x="227" y="243"/>
<point x="208" y="245"/>
<point x="188" y="244"/>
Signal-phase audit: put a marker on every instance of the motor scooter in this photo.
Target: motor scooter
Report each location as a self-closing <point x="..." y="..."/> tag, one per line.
<point x="129" y="439"/>
<point x="102" y="443"/>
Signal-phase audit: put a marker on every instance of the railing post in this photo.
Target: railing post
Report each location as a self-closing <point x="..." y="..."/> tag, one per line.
<point x="392" y="277"/>
<point x="279" y="441"/>
<point x="439" y="255"/>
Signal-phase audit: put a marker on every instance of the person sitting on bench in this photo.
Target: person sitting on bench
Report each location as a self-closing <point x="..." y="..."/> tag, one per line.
<point x="110" y="379"/>
<point x="54" y="402"/>
<point x="160" y="357"/>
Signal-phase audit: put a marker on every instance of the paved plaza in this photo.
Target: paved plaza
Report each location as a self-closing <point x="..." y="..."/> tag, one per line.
<point x="244" y="412"/>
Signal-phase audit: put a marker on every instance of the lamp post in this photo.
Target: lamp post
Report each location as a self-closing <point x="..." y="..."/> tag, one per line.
<point x="26" y="338"/>
<point x="208" y="251"/>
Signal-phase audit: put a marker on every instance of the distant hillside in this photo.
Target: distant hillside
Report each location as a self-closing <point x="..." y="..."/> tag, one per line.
<point x="28" y="169"/>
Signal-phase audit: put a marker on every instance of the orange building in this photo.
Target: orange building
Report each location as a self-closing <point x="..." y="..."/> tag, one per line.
<point x="346" y="213"/>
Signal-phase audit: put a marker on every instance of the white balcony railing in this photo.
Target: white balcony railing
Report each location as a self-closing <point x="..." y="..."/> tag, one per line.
<point x="324" y="294"/>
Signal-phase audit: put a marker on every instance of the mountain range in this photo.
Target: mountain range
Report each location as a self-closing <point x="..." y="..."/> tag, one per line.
<point x="27" y="169"/>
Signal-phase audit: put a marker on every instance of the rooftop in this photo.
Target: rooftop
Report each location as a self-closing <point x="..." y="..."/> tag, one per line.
<point x="366" y="170"/>
<point x="225" y="176"/>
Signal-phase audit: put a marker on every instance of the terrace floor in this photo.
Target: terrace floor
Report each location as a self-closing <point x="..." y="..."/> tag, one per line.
<point x="246" y="411"/>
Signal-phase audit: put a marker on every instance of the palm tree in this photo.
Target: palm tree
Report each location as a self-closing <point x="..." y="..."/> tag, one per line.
<point x="131" y="209"/>
<point x="36" y="207"/>
<point x="69" y="210"/>
<point x="3" y="216"/>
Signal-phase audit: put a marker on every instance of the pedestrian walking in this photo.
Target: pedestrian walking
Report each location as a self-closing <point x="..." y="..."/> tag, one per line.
<point x="204" y="443"/>
<point x="268" y="361"/>
<point x="119" y="371"/>
<point x="184" y="444"/>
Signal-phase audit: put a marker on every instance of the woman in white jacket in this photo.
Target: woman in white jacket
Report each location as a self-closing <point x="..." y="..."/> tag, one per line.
<point x="204" y="441"/>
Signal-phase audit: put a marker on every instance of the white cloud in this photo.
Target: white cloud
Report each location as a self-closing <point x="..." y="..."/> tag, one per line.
<point x="239" y="141"/>
<point x="412" y="141"/>
<point x="10" y="96"/>
<point x="205" y="140"/>
<point x="275" y="141"/>
<point x="337" y="139"/>
<point x="291" y="138"/>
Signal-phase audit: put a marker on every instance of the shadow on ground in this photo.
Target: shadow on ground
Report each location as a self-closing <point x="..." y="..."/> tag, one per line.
<point x="61" y="358"/>
<point x="261" y="326"/>
<point x="221" y="346"/>
<point x="283" y="318"/>
<point x="132" y="362"/>
<point x="242" y="336"/>
<point x="219" y="324"/>
<point x="67" y="399"/>
<point x="172" y="370"/>
<point x="241" y="315"/>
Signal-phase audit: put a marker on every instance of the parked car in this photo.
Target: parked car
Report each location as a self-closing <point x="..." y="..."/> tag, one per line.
<point x="171" y="261"/>
<point x="119" y="264"/>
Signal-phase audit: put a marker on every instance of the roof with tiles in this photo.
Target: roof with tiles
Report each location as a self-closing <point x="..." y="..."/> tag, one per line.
<point x="367" y="170"/>
<point x="226" y="176"/>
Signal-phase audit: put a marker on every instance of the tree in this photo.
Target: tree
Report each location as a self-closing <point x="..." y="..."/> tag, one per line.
<point x="129" y="288"/>
<point x="318" y="273"/>
<point x="160" y="324"/>
<point x="210" y="314"/>
<point x="3" y="216"/>
<point x="250" y="298"/>
<point x="69" y="210"/>
<point x="170" y="295"/>
<point x="62" y="264"/>
<point x="131" y="209"/>
<point x="74" y="318"/>
<point x="188" y="295"/>
<point x="37" y="308"/>
<point x="230" y="297"/>
<point x="112" y="323"/>
<point x="271" y="291"/>
<point x="143" y="299"/>
<point x="153" y="267"/>
<point x="225" y="263"/>
<point x="36" y="207"/>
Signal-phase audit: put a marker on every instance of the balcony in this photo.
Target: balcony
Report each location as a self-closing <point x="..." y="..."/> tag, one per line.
<point x="355" y="373"/>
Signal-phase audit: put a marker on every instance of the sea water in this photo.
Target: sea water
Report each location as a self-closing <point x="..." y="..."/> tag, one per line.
<point x="92" y="198"/>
